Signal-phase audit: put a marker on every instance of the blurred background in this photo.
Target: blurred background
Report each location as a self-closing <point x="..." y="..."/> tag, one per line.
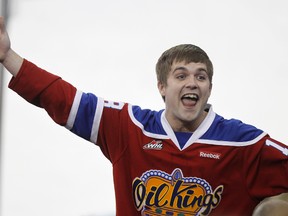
<point x="110" y="48"/>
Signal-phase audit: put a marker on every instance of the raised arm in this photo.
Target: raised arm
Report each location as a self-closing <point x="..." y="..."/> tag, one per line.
<point x="9" y="59"/>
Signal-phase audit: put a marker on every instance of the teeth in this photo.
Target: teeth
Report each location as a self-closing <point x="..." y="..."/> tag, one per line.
<point x="191" y="96"/>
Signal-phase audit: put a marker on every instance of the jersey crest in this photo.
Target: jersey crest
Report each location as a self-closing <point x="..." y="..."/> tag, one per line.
<point x="159" y="193"/>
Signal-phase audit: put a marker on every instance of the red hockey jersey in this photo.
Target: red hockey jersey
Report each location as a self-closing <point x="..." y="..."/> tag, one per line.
<point x="225" y="168"/>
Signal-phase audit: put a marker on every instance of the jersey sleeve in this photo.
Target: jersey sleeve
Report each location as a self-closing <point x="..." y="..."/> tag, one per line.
<point x="44" y="90"/>
<point x="266" y="168"/>
<point x="84" y="114"/>
<point x="104" y="123"/>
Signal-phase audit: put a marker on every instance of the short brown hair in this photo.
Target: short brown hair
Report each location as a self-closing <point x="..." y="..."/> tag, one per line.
<point x="184" y="52"/>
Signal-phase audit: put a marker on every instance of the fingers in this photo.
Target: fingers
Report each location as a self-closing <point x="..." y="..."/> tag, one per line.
<point x="2" y="24"/>
<point x="1" y="20"/>
<point x="4" y="40"/>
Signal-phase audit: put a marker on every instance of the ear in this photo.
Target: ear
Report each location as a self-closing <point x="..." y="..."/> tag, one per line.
<point x="161" y="88"/>
<point x="210" y="88"/>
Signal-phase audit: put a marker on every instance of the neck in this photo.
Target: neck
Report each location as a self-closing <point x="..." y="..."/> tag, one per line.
<point x="191" y="126"/>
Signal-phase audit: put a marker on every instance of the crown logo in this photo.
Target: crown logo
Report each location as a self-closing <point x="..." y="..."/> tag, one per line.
<point x="159" y="193"/>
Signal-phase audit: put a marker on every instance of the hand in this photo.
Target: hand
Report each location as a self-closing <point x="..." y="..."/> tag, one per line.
<point x="8" y="58"/>
<point x="4" y="41"/>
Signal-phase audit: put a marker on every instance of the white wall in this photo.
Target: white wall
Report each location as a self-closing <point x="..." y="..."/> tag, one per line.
<point x="110" y="48"/>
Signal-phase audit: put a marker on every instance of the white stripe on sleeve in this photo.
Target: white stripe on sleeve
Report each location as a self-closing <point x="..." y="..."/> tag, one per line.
<point x="96" y="120"/>
<point x="74" y="109"/>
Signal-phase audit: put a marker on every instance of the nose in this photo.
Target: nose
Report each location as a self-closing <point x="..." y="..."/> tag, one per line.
<point x="191" y="82"/>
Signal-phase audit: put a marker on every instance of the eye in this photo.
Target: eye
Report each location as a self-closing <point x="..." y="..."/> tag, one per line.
<point x="180" y="76"/>
<point x="201" y="77"/>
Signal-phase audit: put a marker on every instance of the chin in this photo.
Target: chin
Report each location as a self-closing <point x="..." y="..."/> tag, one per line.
<point x="197" y="116"/>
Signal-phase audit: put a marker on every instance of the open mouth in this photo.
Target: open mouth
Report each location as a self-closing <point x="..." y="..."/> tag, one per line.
<point x="190" y="99"/>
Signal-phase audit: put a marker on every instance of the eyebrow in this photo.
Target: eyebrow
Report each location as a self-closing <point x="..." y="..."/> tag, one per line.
<point x="184" y="68"/>
<point x="179" y="68"/>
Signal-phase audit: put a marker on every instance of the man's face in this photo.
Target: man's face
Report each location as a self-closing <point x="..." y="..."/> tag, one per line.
<point x="186" y="94"/>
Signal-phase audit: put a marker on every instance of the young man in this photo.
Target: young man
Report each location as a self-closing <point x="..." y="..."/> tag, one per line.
<point x="184" y="160"/>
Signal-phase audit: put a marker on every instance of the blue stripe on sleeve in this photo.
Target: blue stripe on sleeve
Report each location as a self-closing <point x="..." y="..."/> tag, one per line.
<point x="85" y="116"/>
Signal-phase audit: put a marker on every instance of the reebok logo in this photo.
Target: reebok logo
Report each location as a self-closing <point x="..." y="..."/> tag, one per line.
<point x="154" y="145"/>
<point x="210" y="155"/>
